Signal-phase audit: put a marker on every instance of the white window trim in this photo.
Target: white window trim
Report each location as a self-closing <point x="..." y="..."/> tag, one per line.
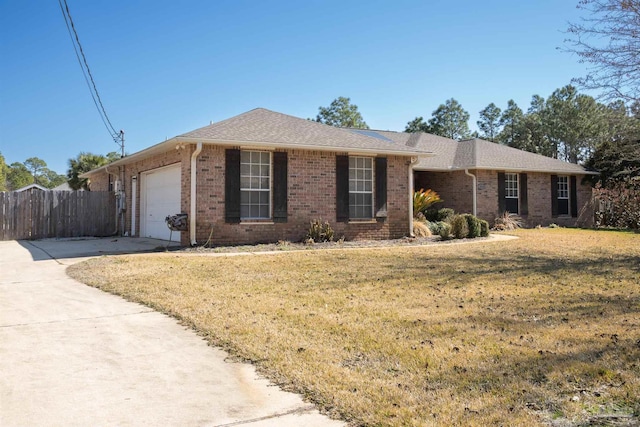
<point x="259" y="220"/>
<point x="566" y="189"/>
<point x="372" y="192"/>
<point x="507" y="188"/>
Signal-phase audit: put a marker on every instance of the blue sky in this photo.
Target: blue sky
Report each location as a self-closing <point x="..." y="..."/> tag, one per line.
<point x="164" y="67"/>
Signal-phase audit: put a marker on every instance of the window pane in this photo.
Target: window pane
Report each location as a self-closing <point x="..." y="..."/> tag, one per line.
<point x="255" y="170"/>
<point x="245" y="182"/>
<point x="245" y="169"/>
<point x="264" y="158"/>
<point x="264" y="211"/>
<point x="245" y="156"/>
<point x="244" y="211"/>
<point x="563" y="207"/>
<point x="245" y="197"/>
<point x="255" y="182"/>
<point x="264" y="170"/>
<point x="264" y="198"/>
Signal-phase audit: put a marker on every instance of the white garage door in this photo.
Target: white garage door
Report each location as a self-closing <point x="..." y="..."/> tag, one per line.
<point x="160" y="197"/>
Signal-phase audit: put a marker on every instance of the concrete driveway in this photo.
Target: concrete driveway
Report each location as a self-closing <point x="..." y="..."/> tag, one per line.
<point x="73" y="355"/>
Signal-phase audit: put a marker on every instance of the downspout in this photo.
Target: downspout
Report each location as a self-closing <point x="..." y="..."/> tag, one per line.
<point x="412" y="162"/>
<point x="475" y="190"/>
<point x="192" y="214"/>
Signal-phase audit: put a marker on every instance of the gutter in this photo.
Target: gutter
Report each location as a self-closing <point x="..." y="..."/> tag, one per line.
<point x="412" y="162"/>
<point x="475" y="191"/>
<point x="192" y="214"/>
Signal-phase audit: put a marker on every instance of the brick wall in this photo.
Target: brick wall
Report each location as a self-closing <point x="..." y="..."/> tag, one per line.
<point x="311" y="195"/>
<point x="455" y="189"/>
<point x="160" y="160"/>
<point x="99" y="182"/>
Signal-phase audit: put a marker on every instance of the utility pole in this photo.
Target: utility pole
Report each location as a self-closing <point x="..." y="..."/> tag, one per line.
<point x="121" y="143"/>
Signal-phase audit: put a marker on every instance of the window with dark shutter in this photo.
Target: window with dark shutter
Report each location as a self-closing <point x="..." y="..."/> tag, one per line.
<point x="280" y="187"/>
<point x="232" y="186"/>
<point x="342" y="188"/>
<point x="381" y="187"/>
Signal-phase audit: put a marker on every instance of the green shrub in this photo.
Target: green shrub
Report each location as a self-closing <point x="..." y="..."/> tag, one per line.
<point x="320" y="232"/>
<point x="435" y="227"/>
<point x="473" y="223"/>
<point x="435" y="215"/>
<point x="484" y="228"/>
<point x="459" y="227"/>
<point x="445" y="230"/>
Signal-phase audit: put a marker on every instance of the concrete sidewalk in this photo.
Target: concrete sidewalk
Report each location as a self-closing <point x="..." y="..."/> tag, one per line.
<point x="73" y="355"/>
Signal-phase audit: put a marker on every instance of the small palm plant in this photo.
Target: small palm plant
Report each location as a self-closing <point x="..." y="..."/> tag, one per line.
<point x="422" y="200"/>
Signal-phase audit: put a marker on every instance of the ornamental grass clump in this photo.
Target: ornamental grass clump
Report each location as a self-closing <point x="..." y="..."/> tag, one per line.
<point x="508" y="221"/>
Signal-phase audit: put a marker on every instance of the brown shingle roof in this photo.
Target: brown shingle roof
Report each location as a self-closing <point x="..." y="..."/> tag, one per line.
<point x="265" y="127"/>
<point x="481" y="154"/>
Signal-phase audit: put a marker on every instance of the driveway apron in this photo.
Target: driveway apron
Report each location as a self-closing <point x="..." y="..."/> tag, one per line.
<point x="71" y="355"/>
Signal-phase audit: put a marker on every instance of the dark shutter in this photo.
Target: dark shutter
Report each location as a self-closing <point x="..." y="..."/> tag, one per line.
<point x="502" y="203"/>
<point x="573" y="197"/>
<point x="381" y="187"/>
<point x="554" y="195"/>
<point x="524" y="197"/>
<point x="342" y="188"/>
<point x="280" y="187"/>
<point x="232" y="186"/>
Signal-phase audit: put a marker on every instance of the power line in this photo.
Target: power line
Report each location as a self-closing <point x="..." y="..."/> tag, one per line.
<point x="118" y="137"/>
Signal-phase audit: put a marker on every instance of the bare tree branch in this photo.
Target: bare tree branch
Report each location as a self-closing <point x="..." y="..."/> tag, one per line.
<point x="608" y="39"/>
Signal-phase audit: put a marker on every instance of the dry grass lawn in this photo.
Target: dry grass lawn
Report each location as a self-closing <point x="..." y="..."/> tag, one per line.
<point x="543" y="330"/>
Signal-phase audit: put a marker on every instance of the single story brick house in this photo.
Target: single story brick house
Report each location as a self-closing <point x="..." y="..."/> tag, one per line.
<point x="487" y="179"/>
<point x="262" y="176"/>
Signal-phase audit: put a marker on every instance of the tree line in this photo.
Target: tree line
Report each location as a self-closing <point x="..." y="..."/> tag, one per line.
<point x="35" y="171"/>
<point x="567" y="125"/>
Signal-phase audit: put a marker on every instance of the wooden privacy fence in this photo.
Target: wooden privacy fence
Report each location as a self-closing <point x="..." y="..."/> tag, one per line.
<point x="37" y="214"/>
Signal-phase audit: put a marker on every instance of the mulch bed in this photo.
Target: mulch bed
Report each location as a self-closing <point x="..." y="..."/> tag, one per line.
<point x="301" y="246"/>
